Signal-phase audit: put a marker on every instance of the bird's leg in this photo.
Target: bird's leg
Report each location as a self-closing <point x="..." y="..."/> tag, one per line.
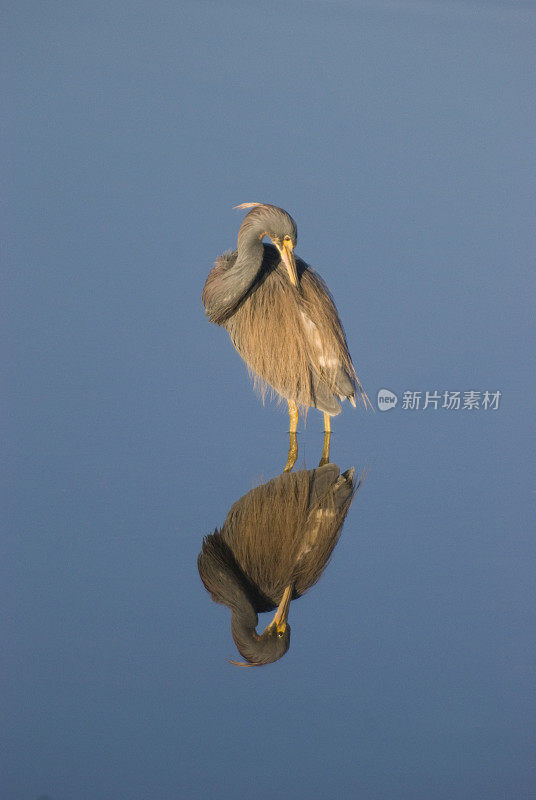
<point x="293" y="414"/>
<point x="292" y="451"/>
<point x="327" y="423"/>
<point x="325" y="449"/>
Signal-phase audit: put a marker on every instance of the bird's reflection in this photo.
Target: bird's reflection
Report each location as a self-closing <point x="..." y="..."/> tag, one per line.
<point x="273" y="546"/>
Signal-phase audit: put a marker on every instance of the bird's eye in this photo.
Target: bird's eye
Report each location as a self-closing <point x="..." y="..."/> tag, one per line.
<point x="280" y="634"/>
<point x="287" y="238"/>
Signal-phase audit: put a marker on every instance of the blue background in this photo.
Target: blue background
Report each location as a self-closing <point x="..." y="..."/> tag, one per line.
<point x="400" y="135"/>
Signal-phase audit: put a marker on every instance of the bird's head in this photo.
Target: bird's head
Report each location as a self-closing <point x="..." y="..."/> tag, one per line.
<point x="271" y="644"/>
<point x="266" y="220"/>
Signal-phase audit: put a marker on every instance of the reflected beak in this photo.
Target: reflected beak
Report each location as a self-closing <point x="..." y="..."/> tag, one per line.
<point x="281" y="615"/>
<point x="286" y="250"/>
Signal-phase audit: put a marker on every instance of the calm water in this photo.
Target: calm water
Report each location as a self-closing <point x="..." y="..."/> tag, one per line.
<point x="400" y="135"/>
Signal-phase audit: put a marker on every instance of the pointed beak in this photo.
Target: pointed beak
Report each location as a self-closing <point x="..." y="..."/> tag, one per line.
<point x="286" y="251"/>
<point x="281" y="615"/>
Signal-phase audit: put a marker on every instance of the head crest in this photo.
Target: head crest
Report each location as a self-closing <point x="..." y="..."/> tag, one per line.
<point x="248" y="205"/>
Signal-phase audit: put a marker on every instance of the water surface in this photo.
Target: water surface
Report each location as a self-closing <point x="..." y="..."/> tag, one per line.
<point x="400" y="136"/>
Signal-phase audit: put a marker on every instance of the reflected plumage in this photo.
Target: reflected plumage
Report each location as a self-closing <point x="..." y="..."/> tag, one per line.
<point x="273" y="546"/>
<point x="281" y="317"/>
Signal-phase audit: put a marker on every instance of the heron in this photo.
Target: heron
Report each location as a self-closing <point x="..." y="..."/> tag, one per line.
<point x="281" y="317"/>
<point x="274" y="545"/>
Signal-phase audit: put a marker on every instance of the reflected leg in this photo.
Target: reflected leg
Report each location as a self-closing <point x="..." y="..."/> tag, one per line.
<point x="293" y="443"/>
<point x="292" y="451"/>
<point x="325" y="450"/>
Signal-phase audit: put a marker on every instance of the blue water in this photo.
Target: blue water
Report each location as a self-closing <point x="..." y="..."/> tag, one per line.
<point x="400" y="136"/>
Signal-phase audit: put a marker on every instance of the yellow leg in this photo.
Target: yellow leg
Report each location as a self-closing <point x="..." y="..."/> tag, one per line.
<point x="292" y="451"/>
<point x="293" y="414"/>
<point x="325" y="450"/>
<point x="327" y="423"/>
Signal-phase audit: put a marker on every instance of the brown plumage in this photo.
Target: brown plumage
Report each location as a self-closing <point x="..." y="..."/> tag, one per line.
<point x="280" y="315"/>
<point x="277" y="537"/>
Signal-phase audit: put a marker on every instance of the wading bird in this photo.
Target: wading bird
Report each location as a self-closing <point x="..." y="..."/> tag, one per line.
<point x="281" y="317"/>
<point x="273" y="546"/>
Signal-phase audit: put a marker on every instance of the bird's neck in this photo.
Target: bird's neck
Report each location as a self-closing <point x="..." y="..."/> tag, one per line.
<point x="250" y="250"/>
<point x="224" y="295"/>
<point x="244" y="625"/>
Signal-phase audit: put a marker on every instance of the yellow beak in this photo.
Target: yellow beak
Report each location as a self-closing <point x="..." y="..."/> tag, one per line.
<point x="286" y="251"/>
<point x="281" y="615"/>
